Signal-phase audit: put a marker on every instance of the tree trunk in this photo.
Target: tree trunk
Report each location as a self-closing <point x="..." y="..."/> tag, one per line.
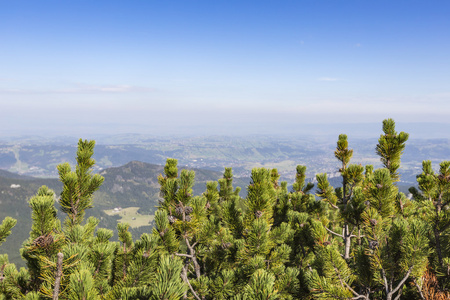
<point x="347" y="241"/>
<point x="58" y="275"/>
<point x="437" y="235"/>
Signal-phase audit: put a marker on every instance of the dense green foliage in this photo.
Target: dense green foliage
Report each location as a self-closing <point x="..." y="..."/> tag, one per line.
<point x="134" y="184"/>
<point x="362" y="240"/>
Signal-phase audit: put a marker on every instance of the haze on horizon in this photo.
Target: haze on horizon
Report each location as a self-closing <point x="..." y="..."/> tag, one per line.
<point x="156" y="67"/>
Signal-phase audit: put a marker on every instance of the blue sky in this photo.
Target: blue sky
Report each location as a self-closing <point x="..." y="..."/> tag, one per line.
<point x="92" y="67"/>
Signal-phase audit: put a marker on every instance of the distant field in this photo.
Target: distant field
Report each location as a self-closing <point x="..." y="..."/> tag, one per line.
<point x="288" y="166"/>
<point x="131" y="216"/>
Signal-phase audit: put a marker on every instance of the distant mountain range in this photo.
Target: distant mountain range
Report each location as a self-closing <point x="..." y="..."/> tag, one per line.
<point x="39" y="157"/>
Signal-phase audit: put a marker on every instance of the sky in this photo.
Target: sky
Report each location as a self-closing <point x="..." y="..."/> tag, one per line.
<point x="76" y="67"/>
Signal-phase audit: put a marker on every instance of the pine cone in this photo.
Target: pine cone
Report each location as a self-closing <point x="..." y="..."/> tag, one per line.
<point x="258" y="214"/>
<point x="43" y="241"/>
<point x="208" y="205"/>
<point x="367" y="203"/>
<point x="188" y="218"/>
<point x="179" y="210"/>
<point x="39" y="241"/>
<point x="188" y="210"/>
<point x="379" y="186"/>
<point x="373" y="245"/>
<point x="48" y="240"/>
<point x="327" y="243"/>
<point x="373" y="222"/>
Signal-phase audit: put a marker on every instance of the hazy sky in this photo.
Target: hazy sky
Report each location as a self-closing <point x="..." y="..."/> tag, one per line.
<point x="72" y="67"/>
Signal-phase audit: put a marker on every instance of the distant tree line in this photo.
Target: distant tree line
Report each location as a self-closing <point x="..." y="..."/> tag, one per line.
<point x="362" y="240"/>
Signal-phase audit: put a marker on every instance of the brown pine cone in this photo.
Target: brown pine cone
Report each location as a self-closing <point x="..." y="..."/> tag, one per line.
<point x="373" y="245"/>
<point x="188" y="210"/>
<point x="179" y="209"/>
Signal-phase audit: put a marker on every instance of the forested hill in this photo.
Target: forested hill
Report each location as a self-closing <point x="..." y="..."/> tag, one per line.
<point x="11" y="175"/>
<point x="134" y="184"/>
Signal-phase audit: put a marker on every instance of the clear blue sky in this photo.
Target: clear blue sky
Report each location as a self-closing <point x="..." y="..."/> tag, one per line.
<point x="72" y="67"/>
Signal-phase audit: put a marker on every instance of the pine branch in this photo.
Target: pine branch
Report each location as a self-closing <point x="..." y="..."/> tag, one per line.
<point x="333" y="205"/>
<point x="339" y="275"/>
<point x="383" y="273"/>
<point x="419" y="289"/>
<point x="183" y="255"/>
<point x="194" y="258"/>
<point x="357" y="296"/>
<point x="391" y="282"/>
<point x="399" y="295"/>
<point x="99" y="264"/>
<point x="332" y="232"/>
<point x="402" y="281"/>
<point x="185" y="278"/>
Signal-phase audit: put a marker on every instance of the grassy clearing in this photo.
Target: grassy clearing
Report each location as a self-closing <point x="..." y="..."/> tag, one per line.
<point x="131" y="216"/>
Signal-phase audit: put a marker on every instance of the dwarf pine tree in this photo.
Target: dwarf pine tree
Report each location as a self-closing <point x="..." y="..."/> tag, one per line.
<point x="344" y="200"/>
<point x="8" y="272"/>
<point x="5" y="228"/>
<point x="46" y="237"/>
<point x="229" y="245"/>
<point x="59" y="257"/>
<point x="433" y="202"/>
<point x="392" y="247"/>
<point x="78" y="185"/>
<point x="390" y="147"/>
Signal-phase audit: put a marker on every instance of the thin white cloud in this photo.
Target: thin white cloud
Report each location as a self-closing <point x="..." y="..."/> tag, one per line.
<point x="439" y="96"/>
<point x="328" y="79"/>
<point x="119" y="88"/>
<point x="82" y="89"/>
<point x="358" y="45"/>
